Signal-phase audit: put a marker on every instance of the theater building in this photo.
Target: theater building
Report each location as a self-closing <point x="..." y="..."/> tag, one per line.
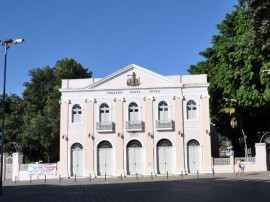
<point x="135" y="121"/>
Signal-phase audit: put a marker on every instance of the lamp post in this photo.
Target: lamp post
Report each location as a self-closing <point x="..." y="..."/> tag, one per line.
<point x="6" y="44"/>
<point x="265" y="133"/>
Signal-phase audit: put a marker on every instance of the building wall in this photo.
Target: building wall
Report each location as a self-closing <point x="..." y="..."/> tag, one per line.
<point x="113" y="91"/>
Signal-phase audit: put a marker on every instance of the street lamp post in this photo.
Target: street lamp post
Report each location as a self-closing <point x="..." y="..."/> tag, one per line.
<point x="265" y="133"/>
<point x="6" y="44"/>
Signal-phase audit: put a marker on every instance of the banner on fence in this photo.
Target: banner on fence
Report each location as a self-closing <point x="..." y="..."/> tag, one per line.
<point x="42" y="169"/>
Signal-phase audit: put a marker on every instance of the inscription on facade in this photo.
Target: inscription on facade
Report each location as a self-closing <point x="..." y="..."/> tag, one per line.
<point x="114" y="92"/>
<point x="135" y="91"/>
<point x="155" y="91"/>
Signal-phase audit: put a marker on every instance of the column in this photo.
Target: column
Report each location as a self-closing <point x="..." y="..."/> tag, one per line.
<point x="119" y="139"/>
<point x="149" y="135"/>
<point x="89" y="146"/>
<point x="17" y="160"/>
<point x="179" y="134"/>
<point x="64" y="117"/>
<point x="206" y="147"/>
<point x="261" y="157"/>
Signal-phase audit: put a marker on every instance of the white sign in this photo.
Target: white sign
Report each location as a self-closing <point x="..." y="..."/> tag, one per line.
<point x="42" y="169"/>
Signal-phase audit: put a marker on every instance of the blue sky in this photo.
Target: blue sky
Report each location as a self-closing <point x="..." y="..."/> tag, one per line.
<point x="164" y="36"/>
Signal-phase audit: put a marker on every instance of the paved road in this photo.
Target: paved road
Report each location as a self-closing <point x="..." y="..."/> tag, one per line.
<point x="227" y="187"/>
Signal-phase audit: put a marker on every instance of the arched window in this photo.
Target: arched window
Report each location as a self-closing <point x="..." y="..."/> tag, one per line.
<point x="105" y="144"/>
<point x="164" y="143"/>
<point x="163" y="111"/>
<point x="191" y="110"/>
<point x="104" y="113"/>
<point x="76" y="146"/>
<point x="76" y="114"/>
<point x="133" y="144"/>
<point x="193" y="143"/>
<point x="133" y="112"/>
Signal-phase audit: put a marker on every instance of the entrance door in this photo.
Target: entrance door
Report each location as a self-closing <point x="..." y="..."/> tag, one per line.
<point x="164" y="157"/>
<point x="105" y="158"/>
<point x="134" y="158"/>
<point x="77" y="160"/>
<point x="194" y="156"/>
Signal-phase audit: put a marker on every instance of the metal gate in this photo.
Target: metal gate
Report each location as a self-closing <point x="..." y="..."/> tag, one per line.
<point x="9" y="168"/>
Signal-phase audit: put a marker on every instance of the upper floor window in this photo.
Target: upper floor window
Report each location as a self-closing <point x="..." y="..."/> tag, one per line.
<point x="163" y="111"/>
<point x="133" y="112"/>
<point x="104" y="113"/>
<point x="191" y="110"/>
<point x="76" y="114"/>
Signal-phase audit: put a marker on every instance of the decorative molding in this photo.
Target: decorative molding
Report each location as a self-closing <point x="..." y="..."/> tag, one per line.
<point x="133" y="81"/>
<point x="87" y="100"/>
<point x="177" y="97"/>
<point x="64" y="101"/>
<point x="119" y="99"/>
<point x="204" y="96"/>
<point x="149" y="98"/>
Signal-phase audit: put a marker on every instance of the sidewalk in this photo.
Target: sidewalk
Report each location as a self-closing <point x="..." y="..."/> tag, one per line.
<point x="223" y="187"/>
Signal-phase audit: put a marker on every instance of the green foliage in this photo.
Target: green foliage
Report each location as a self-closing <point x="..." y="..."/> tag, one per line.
<point x="13" y="120"/>
<point x="234" y="66"/>
<point x="33" y="122"/>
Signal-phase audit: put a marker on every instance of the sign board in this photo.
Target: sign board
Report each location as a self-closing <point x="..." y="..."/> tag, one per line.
<point x="42" y="169"/>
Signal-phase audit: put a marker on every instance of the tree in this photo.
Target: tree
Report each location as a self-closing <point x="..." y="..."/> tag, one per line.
<point x="13" y="122"/>
<point x="40" y="137"/>
<point x="234" y="66"/>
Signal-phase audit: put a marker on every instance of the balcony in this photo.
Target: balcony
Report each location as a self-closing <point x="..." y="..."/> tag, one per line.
<point x="134" y="125"/>
<point x="164" y="124"/>
<point x="107" y="126"/>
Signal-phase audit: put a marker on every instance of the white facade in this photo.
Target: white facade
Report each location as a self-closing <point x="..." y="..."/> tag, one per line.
<point x="135" y="121"/>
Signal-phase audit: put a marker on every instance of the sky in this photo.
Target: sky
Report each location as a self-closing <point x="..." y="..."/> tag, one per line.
<point x="164" y="36"/>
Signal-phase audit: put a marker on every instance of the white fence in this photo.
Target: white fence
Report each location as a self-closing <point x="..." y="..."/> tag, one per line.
<point x="252" y="164"/>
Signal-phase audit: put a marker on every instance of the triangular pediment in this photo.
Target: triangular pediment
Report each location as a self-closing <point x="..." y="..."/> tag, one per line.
<point x="133" y="76"/>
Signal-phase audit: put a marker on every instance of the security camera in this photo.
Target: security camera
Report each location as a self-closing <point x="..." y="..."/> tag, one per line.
<point x="17" y="41"/>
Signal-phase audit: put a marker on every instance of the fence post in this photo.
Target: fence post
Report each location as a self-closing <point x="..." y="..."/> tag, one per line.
<point x="45" y="178"/>
<point x="60" y="178"/>
<point x="213" y="172"/>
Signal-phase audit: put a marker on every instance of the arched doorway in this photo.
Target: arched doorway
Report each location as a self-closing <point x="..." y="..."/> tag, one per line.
<point x="134" y="157"/>
<point x="77" y="159"/>
<point x="164" y="156"/>
<point x="194" y="156"/>
<point x="105" y="158"/>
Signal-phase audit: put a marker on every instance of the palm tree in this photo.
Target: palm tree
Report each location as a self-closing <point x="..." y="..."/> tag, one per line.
<point x="230" y="108"/>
